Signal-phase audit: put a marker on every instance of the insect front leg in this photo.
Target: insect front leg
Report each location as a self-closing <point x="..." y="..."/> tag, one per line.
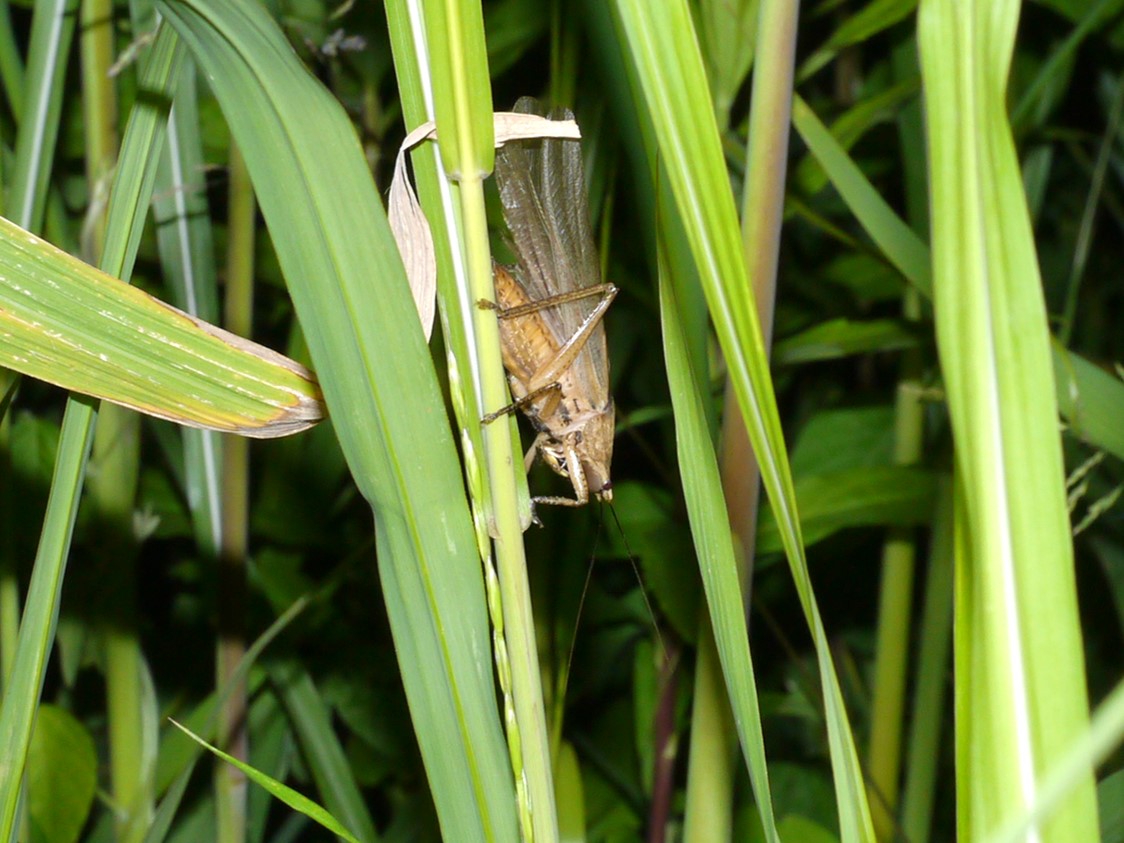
<point x="573" y="470"/>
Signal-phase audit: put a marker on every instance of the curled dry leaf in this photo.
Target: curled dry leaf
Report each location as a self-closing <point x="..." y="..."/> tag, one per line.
<point x="408" y="222"/>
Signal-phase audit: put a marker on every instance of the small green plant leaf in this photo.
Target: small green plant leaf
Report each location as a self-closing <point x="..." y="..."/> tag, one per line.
<point x="62" y="773"/>
<point x="295" y="800"/>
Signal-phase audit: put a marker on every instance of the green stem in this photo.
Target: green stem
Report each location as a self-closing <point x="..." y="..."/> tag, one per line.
<point x="531" y="749"/>
<point x="230" y="783"/>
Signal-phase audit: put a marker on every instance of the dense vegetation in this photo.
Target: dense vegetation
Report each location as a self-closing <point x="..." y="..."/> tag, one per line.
<point x="923" y="264"/>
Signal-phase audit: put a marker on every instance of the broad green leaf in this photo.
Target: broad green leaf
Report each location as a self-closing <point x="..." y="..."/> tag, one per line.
<point x="346" y="279"/>
<point x="62" y="774"/>
<point x="1020" y="691"/>
<point x="69" y="323"/>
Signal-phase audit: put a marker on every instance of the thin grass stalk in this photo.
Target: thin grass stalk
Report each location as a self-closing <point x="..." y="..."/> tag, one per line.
<point x="52" y="30"/>
<point x="714" y="545"/>
<point x="134" y="178"/>
<point x="1093" y="202"/>
<point x="232" y="734"/>
<point x="111" y="496"/>
<point x="712" y="759"/>
<point x="929" y="666"/>
<point x="99" y="115"/>
<point x="51" y="35"/>
<point x="440" y="199"/>
<point x="884" y="764"/>
<point x="9" y="579"/>
<point x="463" y="106"/>
<point x="930" y="684"/>
<point x="11" y="62"/>
<point x="528" y="738"/>
<point x="883" y="761"/>
<point x="185" y="243"/>
<point x="12" y="78"/>
<point x="115" y="459"/>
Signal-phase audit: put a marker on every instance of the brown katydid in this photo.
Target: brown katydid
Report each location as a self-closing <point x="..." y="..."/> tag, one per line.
<point x="550" y="306"/>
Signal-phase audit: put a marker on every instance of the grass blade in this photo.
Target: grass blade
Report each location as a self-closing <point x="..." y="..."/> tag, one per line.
<point x="670" y="73"/>
<point x="1020" y="692"/>
<point x="350" y="293"/>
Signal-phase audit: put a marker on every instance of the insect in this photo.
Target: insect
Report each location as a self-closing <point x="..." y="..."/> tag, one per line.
<point x="550" y="306"/>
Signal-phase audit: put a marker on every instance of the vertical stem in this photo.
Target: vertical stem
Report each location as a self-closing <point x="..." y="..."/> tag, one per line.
<point x="11" y="62"/>
<point x="230" y="783"/>
<point x="530" y="748"/>
<point x="112" y="485"/>
<point x="9" y="581"/>
<point x="99" y="112"/>
<point x="111" y="496"/>
<point x="894" y="612"/>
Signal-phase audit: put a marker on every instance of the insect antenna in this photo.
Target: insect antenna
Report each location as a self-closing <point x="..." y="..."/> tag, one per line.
<point x="632" y="561"/>
<point x="664" y="656"/>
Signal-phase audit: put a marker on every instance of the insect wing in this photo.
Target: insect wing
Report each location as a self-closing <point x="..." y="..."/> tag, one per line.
<point x="542" y="188"/>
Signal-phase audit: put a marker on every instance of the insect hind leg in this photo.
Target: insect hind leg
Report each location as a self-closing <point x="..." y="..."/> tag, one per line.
<point x="604" y="291"/>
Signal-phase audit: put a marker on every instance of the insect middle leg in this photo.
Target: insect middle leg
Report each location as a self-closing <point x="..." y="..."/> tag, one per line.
<point x="527" y="400"/>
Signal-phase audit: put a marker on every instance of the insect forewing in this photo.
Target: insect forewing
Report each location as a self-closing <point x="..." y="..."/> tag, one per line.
<point x="542" y="189"/>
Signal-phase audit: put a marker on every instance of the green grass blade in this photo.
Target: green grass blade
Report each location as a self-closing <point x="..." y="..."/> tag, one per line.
<point x="899" y="243"/>
<point x="669" y="67"/>
<point x="185" y="243"/>
<point x="347" y="282"/>
<point x="1019" y="659"/>
<point x="702" y="489"/>
<point x="312" y="722"/>
<point x="25" y="682"/>
<point x="11" y="63"/>
<point x="874" y="17"/>
<point x="295" y="800"/>
<point x="177" y="755"/>
<point x="52" y="31"/>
